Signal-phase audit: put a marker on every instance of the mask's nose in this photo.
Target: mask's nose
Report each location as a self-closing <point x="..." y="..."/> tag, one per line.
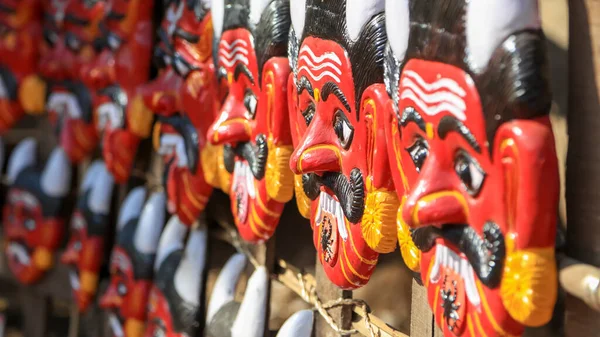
<point x="317" y="151"/>
<point x="232" y="126"/>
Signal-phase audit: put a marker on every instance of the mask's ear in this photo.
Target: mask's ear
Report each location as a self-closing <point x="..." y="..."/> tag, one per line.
<point x="381" y="204"/>
<point x="525" y="155"/>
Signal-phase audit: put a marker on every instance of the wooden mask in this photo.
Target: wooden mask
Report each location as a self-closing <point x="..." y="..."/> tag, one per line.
<point x="20" y="36"/>
<point x="472" y="154"/>
<point x="34" y="212"/>
<point x="335" y="93"/>
<point x="178" y="282"/>
<point x="132" y="261"/>
<point x="182" y="134"/>
<point x="90" y="223"/>
<point x="125" y="40"/>
<point x="253" y="121"/>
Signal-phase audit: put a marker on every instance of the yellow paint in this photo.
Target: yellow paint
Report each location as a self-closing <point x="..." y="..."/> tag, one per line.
<point x="188" y="213"/>
<point x="229" y="78"/>
<point x="302" y="201"/>
<point x="10" y="41"/>
<point x="32" y="95"/>
<point x="264" y="207"/>
<point x="258" y="220"/>
<point x="156" y="136"/>
<point x="430" y="132"/>
<point x="378" y="223"/>
<point x="279" y="178"/>
<point x="470" y="326"/>
<point x="42" y="258"/>
<point x="197" y="200"/>
<point x="398" y="154"/>
<point x="364" y="260"/>
<point x="480" y="330"/>
<point x="431" y="197"/>
<point x="134" y="328"/>
<point x="345" y="274"/>
<point x="488" y="312"/>
<point x="317" y="95"/>
<point x="409" y="251"/>
<point x="319" y="147"/>
<point x="139" y="117"/>
<point x="359" y="275"/>
<point x="89" y="282"/>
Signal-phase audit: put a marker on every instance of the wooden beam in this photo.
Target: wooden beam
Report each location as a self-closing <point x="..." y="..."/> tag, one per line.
<point x="327" y="291"/>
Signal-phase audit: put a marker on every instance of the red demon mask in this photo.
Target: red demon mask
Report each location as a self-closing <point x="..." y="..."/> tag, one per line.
<point x="132" y="261"/>
<point x="473" y="155"/>
<point x="89" y="227"/>
<point x="340" y="155"/>
<point x="20" y="36"/>
<point x="125" y="36"/>
<point x="34" y="211"/>
<point x="175" y="296"/>
<point x="253" y="120"/>
<point x="181" y="135"/>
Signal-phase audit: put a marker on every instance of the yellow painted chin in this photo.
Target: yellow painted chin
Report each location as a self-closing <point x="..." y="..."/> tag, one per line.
<point x="209" y="158"/>
<point x="156" y="136"/>
<point x="378" y="221"/>
<point x="134" y="328"/>
<point x="89" y="282"/>
<point x="529" y="285"/>
<point x="42" y="258"/>
<point x="302" y="201"/>
<point x="278" y="176"/>
<point x="32" y="95"/>
<point x="139" y="118"/>
<point x="409" y="251"/>
<point x="224" y="175"/>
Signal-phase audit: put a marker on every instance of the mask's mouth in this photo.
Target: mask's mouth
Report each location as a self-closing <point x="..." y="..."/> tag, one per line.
<point x="113" y="111"/>
<point x="474" y="255"/>
<point x="183" y="142"/>
<point x="19" y="253"/>
<point x="74" y="279"/>
<point x="116" y="325"/>
<point x="172" y="145"/>
<point x="349" y="192"/>
<point x="254" y="155"/>
<point x="242" y="188"/>
<point x="64" y="103"/>
<point x="330" y="209"/>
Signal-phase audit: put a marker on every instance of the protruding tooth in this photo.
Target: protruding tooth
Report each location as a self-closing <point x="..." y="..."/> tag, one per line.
<point x="434" y="274"/>
<point x="341" y="222"/>
<point x="468" y="276"/>
<point x="319" y="216"/>
<point x="250" y="181"/>
<point x="250" y="320"/>
<point x="299" y="325"/>
<point x="224" y="289"/>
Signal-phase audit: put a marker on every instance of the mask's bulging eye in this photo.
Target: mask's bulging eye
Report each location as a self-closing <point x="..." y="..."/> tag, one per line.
<point x="343" y="129"/>
<point x="73" y="42"/>
<point x="309" y="113"/>
<point x="470" y="173"/>
<point x="418" y="151"/>
<point x="122" y="289"/>
<point x="250" y="102"/>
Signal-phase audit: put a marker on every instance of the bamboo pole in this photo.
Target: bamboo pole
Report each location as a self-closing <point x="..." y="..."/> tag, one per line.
<point x="583" y="158"/>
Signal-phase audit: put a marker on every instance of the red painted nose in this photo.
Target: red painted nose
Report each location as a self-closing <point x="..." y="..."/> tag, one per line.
<point x="317" y="150"/>
<point x="110" y="299"/>
<point x="70" y="256"/>
<point x="232" y="126"/>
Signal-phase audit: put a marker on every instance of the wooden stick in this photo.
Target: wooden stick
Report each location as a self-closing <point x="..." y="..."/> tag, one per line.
<point x="583" y="158"/>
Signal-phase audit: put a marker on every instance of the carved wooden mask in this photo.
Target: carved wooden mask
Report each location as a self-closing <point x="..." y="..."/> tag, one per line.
<point x="336" y="92"/>
<point x="34" y="212"/>
<point x="90" y="223"/>
<point x="178" y="283"/>
<point x="472" y="153"/>
<point x="132" y="261"/>
<point x="125" y="41"/>
<point x="253" y="121"/>
<point x="20" y="35"/>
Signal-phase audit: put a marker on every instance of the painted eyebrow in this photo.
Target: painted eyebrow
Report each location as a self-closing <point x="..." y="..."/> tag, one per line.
<point x="304" y="84"/>
<point x="332" y="88"/>
<point x="411" y="115"/>
<point x="451" y="124"/>
<point x="242" y="69"/>
<point x="189" y="37"/>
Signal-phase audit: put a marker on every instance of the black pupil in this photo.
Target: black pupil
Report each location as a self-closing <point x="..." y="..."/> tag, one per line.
<point x="462" y="169"/>
<point x="250" y="103"/>
<point x="418" y="153"/>
<point x="308" y="114"/>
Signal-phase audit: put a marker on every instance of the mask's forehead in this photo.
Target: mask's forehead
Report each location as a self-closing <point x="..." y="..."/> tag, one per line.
<point x="236" y="48"/>
<point x="436" y="90"/>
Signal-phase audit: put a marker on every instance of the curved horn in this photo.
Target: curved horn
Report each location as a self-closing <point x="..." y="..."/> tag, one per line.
<point x="250" y="320"/>
<point x="56" y="177"/>
<point x="257" y="7"/>
<point x="132" y="206"/>
<point x="101" y="195"/>
<point x="2" y="153"/>
<point x="299" y="325"/>
<point x="359" y="12"/>
<point x="491" y="22"/>
<point x="90" y="176"/>
<point x="188" y="277"/>
<point x="23" y="156"/>
<point x="218" y="14"/>
<point x="398" y="29"/>
<point x="150" y="224"/>
<point x="224" y="289"/>
<point x="298" y="14"/>
<point x="171" y="240"/>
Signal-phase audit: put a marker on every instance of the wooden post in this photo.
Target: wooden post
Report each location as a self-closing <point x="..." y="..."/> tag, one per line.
<point x="583" y="158"/>
<point x="422" y="320"/>
<point x="327" y="291"/>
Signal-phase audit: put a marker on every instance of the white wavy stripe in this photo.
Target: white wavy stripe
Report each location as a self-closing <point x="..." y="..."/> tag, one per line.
<point x="327" y="56"/>
<point x="238" y="57"/>
<point x="441" y="83"/>
<point x="235" y="43"/>
<point x="229" y="54"/>
<point x="436" y="96"/>
<point x="321" y="74"/>
<point x="433" y="109"/>
<point x="321" y="65"/>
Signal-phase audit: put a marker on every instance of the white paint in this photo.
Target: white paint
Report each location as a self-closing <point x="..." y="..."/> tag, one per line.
<point x="174" y="143"/>
<point x="257" y="7"/>
<point x="56" y="177"/>
<point x="174" y="16"/>
<point x="490" y="22"/>
<point x="299" y="325"/>
<point x="250" y="320"/>
<point x="88" y="179"/>
<point x="150" y="224"/>
<point x="397" y="25"/>
<point x="224" y="289"/>
<point x="3" y="89"/>
<point x="64" y="103"/>
<point x="171" y="240"/>
<point x="132" y="206"/>
<point x="321" y="66"/>
<point x="359" y="12"/>
<point x="110" y="113"/>
<point x="446" y="258"/>
<point x="188" y="277"/>
<point x="23" y="156"/>
<point x="218" y="14"/>
<point x="101" y="194"/>
<point x="298" y="15"/>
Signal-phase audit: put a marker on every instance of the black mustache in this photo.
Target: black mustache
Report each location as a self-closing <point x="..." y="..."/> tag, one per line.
<point x="485" y="254"/>
<point x="183" y="126"/>
<point x="255" y="155"/>
<point x="350" y="192"/>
